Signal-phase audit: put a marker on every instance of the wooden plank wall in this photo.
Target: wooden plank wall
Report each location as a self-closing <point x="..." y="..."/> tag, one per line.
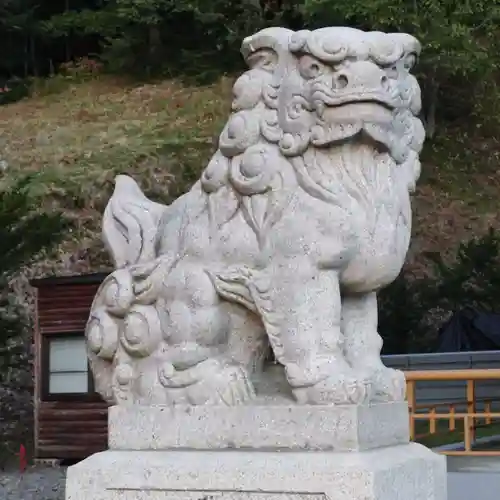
<point x="64" y="308"/>
<point x="69" y="429"/>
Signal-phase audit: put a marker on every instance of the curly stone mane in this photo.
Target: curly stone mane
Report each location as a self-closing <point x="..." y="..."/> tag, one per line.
<point x="273" y="138"/>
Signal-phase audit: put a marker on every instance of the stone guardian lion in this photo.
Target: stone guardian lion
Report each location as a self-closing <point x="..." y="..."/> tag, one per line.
<point x="301" y="216"/>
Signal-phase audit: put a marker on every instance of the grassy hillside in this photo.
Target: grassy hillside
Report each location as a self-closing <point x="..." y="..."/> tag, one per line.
<point x="80" y="135"/>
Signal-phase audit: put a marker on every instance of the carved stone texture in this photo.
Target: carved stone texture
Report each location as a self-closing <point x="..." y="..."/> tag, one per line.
<point x="347" y="428"/>
<point x="300" y="217"/>
<point x="405" y="472"/>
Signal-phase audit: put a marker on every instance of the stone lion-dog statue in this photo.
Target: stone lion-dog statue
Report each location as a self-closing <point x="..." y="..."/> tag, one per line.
<point x="301" y="216"/>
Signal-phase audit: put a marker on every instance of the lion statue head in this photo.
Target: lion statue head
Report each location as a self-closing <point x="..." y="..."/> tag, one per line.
<point x="339" y="104"/>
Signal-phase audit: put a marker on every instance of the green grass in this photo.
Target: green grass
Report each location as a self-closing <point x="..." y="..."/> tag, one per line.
<point x="444" y="436"/>
<point x="85" y="133"/>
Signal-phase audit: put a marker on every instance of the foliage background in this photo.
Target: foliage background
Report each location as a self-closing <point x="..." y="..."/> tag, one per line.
<point x="26" y="235"/>
<point x="93" y="88"/>
<point x="71" y="43"/>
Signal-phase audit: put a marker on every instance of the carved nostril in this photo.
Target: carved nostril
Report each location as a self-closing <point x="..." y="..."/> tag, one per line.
<point x="342" y="81"/>
<point x="384" y="82"/>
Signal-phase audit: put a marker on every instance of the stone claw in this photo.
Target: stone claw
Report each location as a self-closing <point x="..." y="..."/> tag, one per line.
<point x="388" y="385"/>
<point x="336" y="390"/>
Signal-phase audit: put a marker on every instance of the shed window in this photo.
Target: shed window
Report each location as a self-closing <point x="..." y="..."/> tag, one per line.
<point x="68" y="366"/>
<point x="65" y="368"/>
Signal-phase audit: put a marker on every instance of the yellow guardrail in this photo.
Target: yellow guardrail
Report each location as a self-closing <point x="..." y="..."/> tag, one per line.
<point x="434" y="413"/>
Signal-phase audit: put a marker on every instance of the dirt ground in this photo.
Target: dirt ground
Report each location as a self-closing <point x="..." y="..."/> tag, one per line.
<point x="37" y="483"/>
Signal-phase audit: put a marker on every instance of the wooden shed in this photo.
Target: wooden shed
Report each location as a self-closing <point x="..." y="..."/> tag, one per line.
<point x="70" y="417"/>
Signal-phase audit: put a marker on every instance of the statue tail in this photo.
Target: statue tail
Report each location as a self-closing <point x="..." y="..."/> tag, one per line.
<point x="130" y="224"/>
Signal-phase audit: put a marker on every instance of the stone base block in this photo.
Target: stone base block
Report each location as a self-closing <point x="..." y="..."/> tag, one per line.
<point x="404" y="472"/>
<point x="261" y="427"/>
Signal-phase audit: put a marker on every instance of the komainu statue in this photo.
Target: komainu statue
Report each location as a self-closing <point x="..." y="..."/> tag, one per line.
<point x="300" y="217"/>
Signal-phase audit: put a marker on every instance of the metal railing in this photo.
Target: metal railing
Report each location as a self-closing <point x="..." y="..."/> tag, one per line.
<point x="472" y="418"/>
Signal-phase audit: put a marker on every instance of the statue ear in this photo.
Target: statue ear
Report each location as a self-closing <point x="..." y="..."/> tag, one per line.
<point x="267" y="49"/>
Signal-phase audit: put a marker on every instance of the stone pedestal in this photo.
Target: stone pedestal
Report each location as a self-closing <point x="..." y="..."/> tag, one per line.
<point x="260" y="452"/>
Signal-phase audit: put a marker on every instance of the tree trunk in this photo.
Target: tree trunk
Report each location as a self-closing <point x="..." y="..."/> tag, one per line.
<point x="34" y="67"/>
<point x="26" y="58"/>
<point x="430" y="115"/>
<point x="154" y="46"/>
<point x="67" y="50"/>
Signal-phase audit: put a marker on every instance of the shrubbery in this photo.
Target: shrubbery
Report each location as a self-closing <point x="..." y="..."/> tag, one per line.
<point x="13" y="89"/>
<point x="25" y="232"/>
<point x="412" y="310"/>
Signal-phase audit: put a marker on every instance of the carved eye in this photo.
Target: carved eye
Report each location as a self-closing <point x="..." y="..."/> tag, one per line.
<point x="410" y="61"/>
<point x="310" y="68"/>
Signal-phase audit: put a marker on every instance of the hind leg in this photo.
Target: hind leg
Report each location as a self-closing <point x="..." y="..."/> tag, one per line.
<point x="363" y="345"/>
<point x="247" y="343"/>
